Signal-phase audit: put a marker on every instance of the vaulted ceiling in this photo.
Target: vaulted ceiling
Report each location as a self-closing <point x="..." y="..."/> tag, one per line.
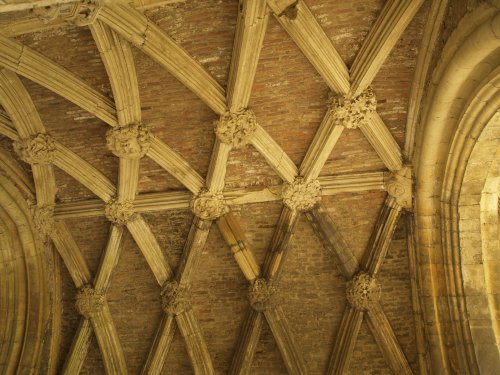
<point x="226" y="184"/>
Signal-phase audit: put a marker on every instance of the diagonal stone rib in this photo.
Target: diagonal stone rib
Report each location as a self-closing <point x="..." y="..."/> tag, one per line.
<point x="195" y="344"/>
<point x="190" y="258"/>
<point x="333" y="241"/>
<point x="119" y="63"/>
<point x="247" y="343"/>
<point x="381" y="236"/>
<point x="274" y="154"/>
<point x="235" y="238"/>
<point x="280" y="328"/>
<point x="383" y="36"/>
<point x="79" y="348"/>
<point x="278" y="250"/>
<point x="387" y="341"/>
<point x="104" y="328"/>
<point x="218" y="164"/>
<point x="109" y="343"/>
<point x="109" y="260"/>
<point x="18" y="104"/>
<point x="84" y="173"/>
<point x="383" y="142"/>
<point x="71" y="254"/>
<point x="193" y="248"/>
<point x="29" y="123"/>
<point x="252" y="325"/>
<point x="7" y="127"/>
<point x="273" y="267"/>
<point x="150" y="248"/>
<point x="143" y="33"/>
<point x="161" y="345"/>
<point x="176" y="165"/>
<point x="300" y="23"/>
<point x="250" y="30"/>
<point x="345" y="341"/>
<point x="37" y="68"/>
<point x="321" y="147"/>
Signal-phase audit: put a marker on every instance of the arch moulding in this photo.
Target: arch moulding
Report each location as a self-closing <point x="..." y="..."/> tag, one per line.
<point x="462" y="98"/>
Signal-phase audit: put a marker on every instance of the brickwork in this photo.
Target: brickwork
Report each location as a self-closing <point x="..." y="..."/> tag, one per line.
<point x="314" y="296"/>
<point x="367" y="358"/>
<point x="396" y="295"/>
<point x="69" y="125"/>
<point x="354" y="218"/>
<point x="289" y="99"/>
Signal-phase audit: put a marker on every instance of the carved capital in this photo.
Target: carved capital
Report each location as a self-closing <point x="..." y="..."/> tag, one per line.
<point x="235" y="128"/>
<point x="88" y="302"/>
<point x="301" y="195"/>
<point x="119" y="212"/>
<point x="43" y="218"/>
<point x="129" y="142"/>
<point x="353" y="112"/>
<point x="363" y="291"/>
<point x="208" y="205"/>
<point x="399" y="186"/>
<point x="175" y="298"/>
<point x="37" y="149"/>
<point x="81" y="13"/>
<point x="262" y="295"/>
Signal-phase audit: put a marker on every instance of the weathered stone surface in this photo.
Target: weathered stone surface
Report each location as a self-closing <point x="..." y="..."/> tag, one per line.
<point x="175" y="298"/>
<point x="89" y="302"/>
<point x="302" y="195"/>
<point x="208" y="205"/>
<point x="235" y="128"/>
<point x="43" y="218"/>
<point x="37" y="149"/>
<point x="81" y="13"/>
<point x="399" y="186"/>
<point x="119" y="212"/>
<point x="262" y="294"/>
<point x="353" y="112"/>
<point x="363" y="291"/>
<point x="129" y="142"/>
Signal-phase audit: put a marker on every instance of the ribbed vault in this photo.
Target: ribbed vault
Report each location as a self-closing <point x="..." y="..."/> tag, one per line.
<point x="223" y="182"/>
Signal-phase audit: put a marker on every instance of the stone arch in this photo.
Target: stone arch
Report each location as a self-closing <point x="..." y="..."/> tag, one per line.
<point x="463" y="97"/>
<point x="26" y="316"/>
<point x="479" y="249"/>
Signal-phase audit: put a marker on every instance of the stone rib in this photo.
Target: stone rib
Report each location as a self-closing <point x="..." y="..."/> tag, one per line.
<point x="143" y="33"/>
<point x="250" y="30"/>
